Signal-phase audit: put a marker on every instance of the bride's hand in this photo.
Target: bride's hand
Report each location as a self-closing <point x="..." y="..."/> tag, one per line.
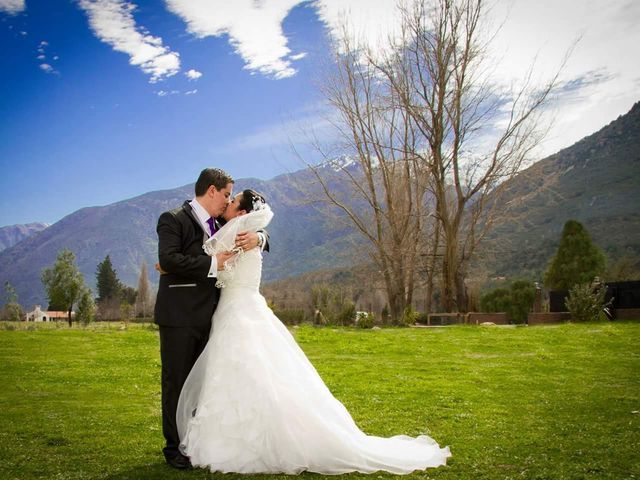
<point x="223" y="257"/>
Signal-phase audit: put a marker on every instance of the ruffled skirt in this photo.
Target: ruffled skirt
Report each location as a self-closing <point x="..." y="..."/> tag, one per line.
<point x="253" y="403"/>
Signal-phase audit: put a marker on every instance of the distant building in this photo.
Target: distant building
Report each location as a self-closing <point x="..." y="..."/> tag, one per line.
<point x="39" y="315"/>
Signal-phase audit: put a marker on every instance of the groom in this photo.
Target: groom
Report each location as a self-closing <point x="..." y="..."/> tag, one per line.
<point x="187" y="296"/>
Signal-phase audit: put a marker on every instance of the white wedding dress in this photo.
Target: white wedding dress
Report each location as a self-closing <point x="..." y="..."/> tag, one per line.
<point x="253" y="403"/>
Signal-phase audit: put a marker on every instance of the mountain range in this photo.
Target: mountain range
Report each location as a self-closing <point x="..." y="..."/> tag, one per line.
<point x="595" y="181"/>
<point x="303" y="236"/>
<point x="13" y="234"/>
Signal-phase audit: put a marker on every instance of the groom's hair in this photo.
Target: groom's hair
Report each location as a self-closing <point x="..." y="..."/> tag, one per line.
<point x="212" y="176"/>
<point x="249" y="199"/>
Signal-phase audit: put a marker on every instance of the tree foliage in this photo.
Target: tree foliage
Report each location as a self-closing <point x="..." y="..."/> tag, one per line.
<point x="496" y="301"/>
<point x="586" y="302"/>
<point x="577" y="261"/>
<point x="86" y="310"/>
<point x="63" y="282"/>
<point x="332" y="305"/>
<point x="523" y="294"/>
<point x="107" y="281"/>
<point x="11" y="311"/>
<point x="515" y="301"/>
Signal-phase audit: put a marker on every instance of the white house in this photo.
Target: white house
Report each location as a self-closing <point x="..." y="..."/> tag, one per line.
<point x="39" y="315"/>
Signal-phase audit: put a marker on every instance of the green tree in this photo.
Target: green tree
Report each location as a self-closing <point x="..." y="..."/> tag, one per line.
<point x="128" y="295"/>
<point x="496" y="301"/>
<point x="577" y="261"/>
<point x="107" y="282"/>
<point x="523" y="294"/>
<point x="86" y="308"/>
<point x="516" y="301"/>
<point x="12" y="311"/>
<point x="63" y="282"/>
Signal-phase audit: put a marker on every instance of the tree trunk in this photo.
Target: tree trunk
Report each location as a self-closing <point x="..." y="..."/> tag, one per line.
<point x="462" y="299"/>
<point x="449" y="267"/>
<point x="69" y="316"/>
<point x="431" y="268"/>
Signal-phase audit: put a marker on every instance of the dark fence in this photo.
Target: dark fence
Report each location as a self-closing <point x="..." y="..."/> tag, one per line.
<point x="624" y="294"/>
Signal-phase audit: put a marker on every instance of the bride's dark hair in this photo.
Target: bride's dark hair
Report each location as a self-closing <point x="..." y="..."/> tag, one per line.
<point x="249" y="199"/>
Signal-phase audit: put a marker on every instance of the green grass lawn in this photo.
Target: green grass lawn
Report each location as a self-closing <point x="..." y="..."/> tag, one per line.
<point x="549" y="402"/>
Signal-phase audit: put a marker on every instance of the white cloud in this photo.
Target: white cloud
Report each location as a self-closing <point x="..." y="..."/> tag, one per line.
<point x="47" y="68"/>
<point x="113" y="23"/>
<point x="191" y="92"/>
<point x="12" y="7"/>
<point x="165" y="93"/>
<point x="369" y="22"/>
<point x="193" y="74"/>
<point x="41" y="57"/>
<point x="254" y="29"/>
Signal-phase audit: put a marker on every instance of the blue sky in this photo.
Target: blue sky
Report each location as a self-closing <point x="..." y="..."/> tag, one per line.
<point x="106" y="99"/>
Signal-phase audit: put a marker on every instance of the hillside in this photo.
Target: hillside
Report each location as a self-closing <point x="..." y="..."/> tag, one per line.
<point x="595" y="181"/>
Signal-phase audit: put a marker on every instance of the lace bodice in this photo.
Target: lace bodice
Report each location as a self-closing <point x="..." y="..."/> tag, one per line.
<point x="245" y="269"/>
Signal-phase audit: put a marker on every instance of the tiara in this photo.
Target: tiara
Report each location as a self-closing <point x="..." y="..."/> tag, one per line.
<point x="258" y="203"/>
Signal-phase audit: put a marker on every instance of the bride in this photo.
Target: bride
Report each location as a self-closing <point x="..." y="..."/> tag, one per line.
<point x="253" y="403"/>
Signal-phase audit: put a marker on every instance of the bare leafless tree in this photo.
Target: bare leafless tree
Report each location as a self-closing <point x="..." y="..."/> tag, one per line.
<point x="440" y="72"/>
<point x="454" y="102"/>
<point x="430" y="128"/>
<point x="385" y="201"/>
<point x="144" y="300"/>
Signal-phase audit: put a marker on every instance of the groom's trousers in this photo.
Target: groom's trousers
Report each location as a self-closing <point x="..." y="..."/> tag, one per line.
<point x="180" y="347"/>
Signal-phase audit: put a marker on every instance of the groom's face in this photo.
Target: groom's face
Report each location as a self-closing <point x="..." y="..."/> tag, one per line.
<point x="219" y="199"/>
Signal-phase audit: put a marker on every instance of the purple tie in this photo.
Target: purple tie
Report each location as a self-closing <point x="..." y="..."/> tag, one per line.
<point x="212" y="226"/>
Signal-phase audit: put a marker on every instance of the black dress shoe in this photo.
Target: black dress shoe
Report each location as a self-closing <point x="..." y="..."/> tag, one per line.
<point x="179" y="461"/>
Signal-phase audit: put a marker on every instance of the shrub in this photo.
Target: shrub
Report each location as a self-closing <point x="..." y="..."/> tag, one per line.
<point x="365" y="319"/>
<point x="523" y="294"/>
<point x="12" y="312"/>
<point x="332" y="306"/>
<point x="290" y="316"/>
<point x="410" y="316"/>
<point x="496" y="301"/>
<point x="516" y="301"/>
<point x="86" y="308"/>
<point x="586" y="302"/>
<point x="347" y="314"/>
<point x="385" y="314"/>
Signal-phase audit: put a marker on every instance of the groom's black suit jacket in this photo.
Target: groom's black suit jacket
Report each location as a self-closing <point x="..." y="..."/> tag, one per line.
<point x="186" y="296"/>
